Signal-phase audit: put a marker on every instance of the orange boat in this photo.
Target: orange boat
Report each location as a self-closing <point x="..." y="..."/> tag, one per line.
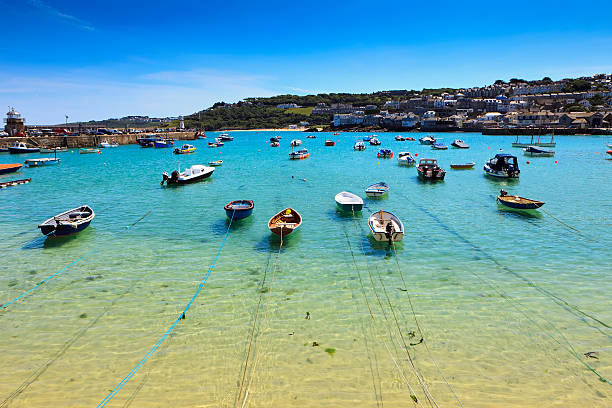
<point x="285" y="222"/>
<point x="330" y="143"/>
<point x="9" y="168"/>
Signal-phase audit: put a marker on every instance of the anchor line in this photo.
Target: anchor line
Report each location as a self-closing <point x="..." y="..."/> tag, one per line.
<point x="403" y="342"/>
<point x="182" y="316"/>
<point x="63" y="269"/>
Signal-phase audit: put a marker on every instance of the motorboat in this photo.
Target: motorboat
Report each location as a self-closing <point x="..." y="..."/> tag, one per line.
<point x="428" y="169"/>
<point x="215" y="144"/>
<point x="503" y="165"/>
<point x="192" y="174"/>
<point x="427" y="140"/>
<point x="46" y="161"/>
<point x="162" y="144"/>
<point x="224" y="137"/>
<point x="609" y="152"/>
<point x="517" y="203"/>
<point x="377" y="190"/>
<point x="274" y="140"/>
<point x="215" y="163"/>
<point x="274" y="144"/>
<point x="462" y="166"/>
<point x="185" y="149"/>
<point x="359" y="145"/>
<point x="460" y="144"/>
<point x="374" y="141"/>
<point x="409" y="139"/>
<point x="21" y="147"/>
<point x="536" y="151"/>
<point x="366" y="138"/>
<point x="348" y="201"/>
<point x="295" y="142"/>
<point x="400" y="138"/>
<point x="439" y="146"/>
<point x="311" y="137"/>
<point x="285" y="222"/>
<point x="10" y="168"/>
<point x="89" y="150"/>
<point x="405" y="159"/>
<point x="336" y="133"/>
<point x="385" y="226"/>
<point x="239" y="209"/>
<point x="68" y="222"/>
<point x="330" y="143"/>
<point x="219" y="141"/>
<point x="385" y="154"/>
<point x="300" y="154"/>
<point x="106" y="144"/>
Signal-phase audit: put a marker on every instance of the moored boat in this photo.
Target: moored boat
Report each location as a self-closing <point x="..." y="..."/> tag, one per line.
<point x="215" y="163"/>
<point x="385" y="154"/>
<point x="53" y="149"/>
<point x="405" y="159"/>
<point x="359" y="145"/>
<point x="518" y="203"/>
<point x="295" y="142"/>
<point x="106" y="144"/>
<point x="400" y="138"/>
<point x="274" y="144"/>
<point x="9" y="168"/>
<point x="46" y="161"/>
<point x="367" y="138"/>
<point x="192" y="174"/>
<point x="68" y="222"/>
<point x="5" y="184"/>
<point x="224" y="137"/>
<point x="439" y="146"/>
<point x="336" y="133"/>
<point x="377" y="190"/>
<point x="609" y="152"/>
<point x="185" y="149"/>
<point x="503" y="165"/>
<point x="285" y="222"/>
<point x="162" y="144"/>
<point x="300" y="154"/>
<point x="214" y="144"/>
<point x="535" y="151"/>
<point x="89" y="150"/>
<point x="330" y="143"/>
<point x="409" y="139"/>
<point x="239" y="209"/>
<point x="385" y="226"/>
<point x="428" y="169"/>
<point x="311" y="137"/>
<point x="427" y="140"/>
<point x="348" y="201"/>
<point x="21" y="147"/>
<point x="460" y="144"/>
<point x="374" y="141"/>
<point x="462" y="166"/>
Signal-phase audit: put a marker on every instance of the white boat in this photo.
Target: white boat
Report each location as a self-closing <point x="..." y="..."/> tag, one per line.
<point x="295" y="142"/>
<point x="460" y="144"/>
<point x="224" y="137"/>
<point x="359" y="145"/>
<point x="106" y="144"/>
<point x="21" y="147"/>
<point x="405" y="159"/>
<point x="87" y="150"/>
<point x="45" y="161"/>
<point x="427" y="140"/>
<point x="374" y="141"/>
<point x="299" y="155"/>
<point x="400" y="138"/>
<point x="386" y="227"/>
<point x="535" y="151"/>
<point x="192" y="174"/>
<point x="348" y="201"/>
<point x="503" y="165"/>
<point x="377" y="190"/>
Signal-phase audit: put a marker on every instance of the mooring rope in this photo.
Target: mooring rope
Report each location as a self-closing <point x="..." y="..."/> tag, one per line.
<point x="65" y="267"/>
<point x="182" y="316"/>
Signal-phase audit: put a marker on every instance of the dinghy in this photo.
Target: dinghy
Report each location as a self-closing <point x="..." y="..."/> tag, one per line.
<point x="386" y="227"/>
<point x="53" y="149"/>
<point x="330" y="143"/>
<point x="439" y="146"/>
<point x="405" y="159"/>
<point x="374" y="141"/>
<point x="89" y="150"/>
<point x="518" y="203"/>
<point x="427" y="140"/>
<point x="106" y="144"/>
<point x="192" y="174"/>
<point x="377" y="190"/>
<point x="348" y="201"/>
<point x="285" y="222"/>
<point x="400" y="138"/>
<point x="215" y="163"/>
<point x="295" y="142"/>
<point x="460" y="144"/>
<point x="462" y="166"/>
<point x="239" y="209"/>
<point x="68" y="222"/>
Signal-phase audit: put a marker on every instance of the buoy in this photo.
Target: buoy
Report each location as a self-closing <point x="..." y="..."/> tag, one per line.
<point x="378" y="162"/>
<point x="555" y="162"/>
<point x="488" y="147"/>
<point x="528" y="162"/>
<point x="416" y="155"/>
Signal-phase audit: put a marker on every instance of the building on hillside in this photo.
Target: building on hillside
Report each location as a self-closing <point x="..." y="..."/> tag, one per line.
<point x="287" y="106"/>
<point x="347" y="120"/>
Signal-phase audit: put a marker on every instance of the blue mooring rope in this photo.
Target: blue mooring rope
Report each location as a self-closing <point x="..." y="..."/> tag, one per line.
<point x="181" y="316"/>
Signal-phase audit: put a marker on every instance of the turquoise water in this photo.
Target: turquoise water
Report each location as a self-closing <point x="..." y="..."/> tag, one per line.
<point x="499" y="296"/>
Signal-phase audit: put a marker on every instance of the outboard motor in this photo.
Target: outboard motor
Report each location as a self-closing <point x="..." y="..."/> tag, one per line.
<point x="164" y="178"/>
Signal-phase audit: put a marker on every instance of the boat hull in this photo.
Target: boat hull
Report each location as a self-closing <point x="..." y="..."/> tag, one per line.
<point x="9" y="168"/>
<point x="283" y="224"/>
<point x="238" y="210"/>
<point x="40" y="163"/>
<point x="190" y="180"/>
<point x="378" y="229"/>
<point x="20" y="150"/>
<point x="435" y="175"/>
<point x="464" y="166"/>
<point x="349" y="207"/>
<point x="553" y="144"/>
<point x="500" y="174"/>
<point x="65" y="224"/>
<point x="519" y="203"/>
<point x="63" y="230"/>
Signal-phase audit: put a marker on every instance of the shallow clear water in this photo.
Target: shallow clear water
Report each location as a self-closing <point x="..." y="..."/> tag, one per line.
<point x="499" y="296"/>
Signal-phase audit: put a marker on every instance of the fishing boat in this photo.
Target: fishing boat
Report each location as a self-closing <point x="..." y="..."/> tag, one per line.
<point x="428" y="169"/>
<point x="366" y="138"/>
<point x="9" y="168"/>
<point x="285" y="222"/>
<point x="192" y="174"/>
<point x="224" y="137"/>
<point x="427" y="140"/>
<point x="274" y="144"/>
<point x="405" y="159"/>
<point x="162" y="144"/>
<point x="21" y="147"/>
<point x="535" y="142"/>
<point x="239" y="209"/>
<point x="46" y="161"/>
<point x="462" y="166"/>
<point x="439" y="146"/>
<point x="385" y="154"/>
<point x="185" y="149"/>
<point x="536" y="151"/>
<point x="53" y="149"/>
<point x="400" y="138"/>
<point x="6" y="184"/>
<point x="106" y="144"/>
<point x="460" y="144"/>
<point x="374" y="141"/>
<point x="295" y="142"/>
<point x="503" y="165"/>
<point x="377" y="190"/>
<point x="89" y="150"/>
<point x="215" y="163"/>
<point x="386" y="227"/>
<point x="348" y="201"/>
<point x="330" y="143"/>
<point x="359" y="145"/>
<point x="68" y="222"/>
<point x="147" y="140"/>
<point x="299" y="155"/>
<point x="516" y="202"/>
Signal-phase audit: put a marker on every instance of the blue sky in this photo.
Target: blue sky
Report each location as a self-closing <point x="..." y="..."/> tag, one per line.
<point x="100" y="59"/>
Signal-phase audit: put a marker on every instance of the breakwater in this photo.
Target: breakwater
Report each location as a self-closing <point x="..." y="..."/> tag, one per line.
<point x="87" y="140"/>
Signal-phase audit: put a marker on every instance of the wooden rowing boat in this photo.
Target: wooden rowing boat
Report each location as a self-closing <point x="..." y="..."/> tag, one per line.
<point x="285" y="222"/>
<point x="518" y="203"/>
<point x="462" y="166"/>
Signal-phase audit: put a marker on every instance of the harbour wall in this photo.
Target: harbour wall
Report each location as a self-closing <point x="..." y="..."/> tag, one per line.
<point x="87" y="140"/>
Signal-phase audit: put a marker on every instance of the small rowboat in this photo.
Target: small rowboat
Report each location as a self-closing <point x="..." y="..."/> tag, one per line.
<point x="348" y="201"/>
<point x="535" y="151"/>
<point x="9" y="168"/>
<point x="517" y="203"/>
<point x="53" y="149"/>
<point x="68" y="222"/>
<point x="47" y="161"/>
<point x="330" y="143"/>
<point x="106" y="144"/>
<point x="462" y="166"/>
<point x="377" y="190"/>
<point x="386" y="227"/>
<point x="185" y="149"/>
<point x="215" y="163"/>
<point x="239" y="209"/>
<point x="87" y="150"/>
<point x="400" y="138"/>
<point x="409" y="139"/>
<point x="427" y="140"/>
<point x="385" y="154"/>
<point x="6" y="184"/>
<point x="285" y="222"/>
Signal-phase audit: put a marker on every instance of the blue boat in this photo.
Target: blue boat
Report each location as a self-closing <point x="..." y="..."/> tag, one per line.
<point x="68" y="222"/>
<point x="160" y="144"/>
<point x="439" y="146"/>
<point x="367" y="138"/>
<point x="239" y="209"/>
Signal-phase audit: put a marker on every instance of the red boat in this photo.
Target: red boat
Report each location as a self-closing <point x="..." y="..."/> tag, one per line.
<point x="330" y="143"/>
<point x="9" y="168"/>
<point x="609" y="152"/>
